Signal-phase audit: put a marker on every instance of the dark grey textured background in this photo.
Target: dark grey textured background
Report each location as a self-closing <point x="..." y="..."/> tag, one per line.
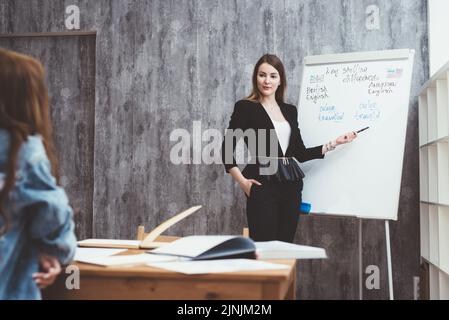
<point x="72" y="97"/>
<point x="155" y="66"/>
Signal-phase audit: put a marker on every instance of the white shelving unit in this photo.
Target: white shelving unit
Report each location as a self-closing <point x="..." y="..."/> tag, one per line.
<point x="433" y="235"/>
<point x="443" y="172"/>
<point x="424" y="214"/>
<point x="424" y="178"/>
<point x="432" y="172"/>
<point x="442" y="108"/>
<point x="434" y="181"/>
<point x="443" y="238"/>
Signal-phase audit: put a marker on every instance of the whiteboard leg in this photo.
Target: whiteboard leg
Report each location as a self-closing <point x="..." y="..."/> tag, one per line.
<point x="390" y="273"/>
<point x="360" y="262"/>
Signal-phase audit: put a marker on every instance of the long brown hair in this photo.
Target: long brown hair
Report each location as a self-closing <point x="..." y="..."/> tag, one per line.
<point x="24" y="111"/>
<point x="274" y="61"/>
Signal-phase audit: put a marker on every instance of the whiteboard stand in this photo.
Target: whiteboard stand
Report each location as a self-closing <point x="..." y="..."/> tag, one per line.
<point x="344" y="91"/>
<point x="360" y="262"/>
<point x="390" y="272"/>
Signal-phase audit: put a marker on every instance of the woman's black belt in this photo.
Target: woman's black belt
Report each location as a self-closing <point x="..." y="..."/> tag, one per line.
<point x="280" y="169"/>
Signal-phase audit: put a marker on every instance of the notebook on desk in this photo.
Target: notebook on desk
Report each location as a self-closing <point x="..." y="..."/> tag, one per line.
<point x="147" y="243"/>
<point x="209" y="247"/>
<point x="234" y="247"/>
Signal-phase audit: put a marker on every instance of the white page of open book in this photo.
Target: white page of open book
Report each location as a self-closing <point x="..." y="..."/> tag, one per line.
<point x="83" y="253"/>
<point x="217" y="266"/>
<point x="192" y="246"/>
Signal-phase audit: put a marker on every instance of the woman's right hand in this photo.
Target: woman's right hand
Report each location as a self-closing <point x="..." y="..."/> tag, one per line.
<point x="50" y="268"/>
<point x="246" y="185"/>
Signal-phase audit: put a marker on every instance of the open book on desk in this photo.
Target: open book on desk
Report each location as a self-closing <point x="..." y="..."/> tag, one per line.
<point x="233" y="247"/>
<point x="209" y="247"/>
<point x="147" y="243"/>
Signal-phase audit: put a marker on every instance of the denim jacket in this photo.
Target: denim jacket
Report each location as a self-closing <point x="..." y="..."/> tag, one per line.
<point x="41" y="220"/>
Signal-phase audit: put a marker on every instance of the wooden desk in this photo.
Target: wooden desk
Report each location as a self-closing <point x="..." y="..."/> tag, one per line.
<point x="142" y="282"/>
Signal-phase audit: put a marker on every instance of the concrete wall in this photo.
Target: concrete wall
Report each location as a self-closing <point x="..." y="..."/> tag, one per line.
<point x="160" y="65"/>
<point x="70" y="73"/>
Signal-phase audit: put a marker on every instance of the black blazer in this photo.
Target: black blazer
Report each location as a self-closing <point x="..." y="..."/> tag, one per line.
<point x="252" y="115"/>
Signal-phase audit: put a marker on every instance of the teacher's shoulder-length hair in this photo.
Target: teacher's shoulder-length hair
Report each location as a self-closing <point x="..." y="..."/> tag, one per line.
<point x="24" y="111"/>
<point x="274" y="61"/>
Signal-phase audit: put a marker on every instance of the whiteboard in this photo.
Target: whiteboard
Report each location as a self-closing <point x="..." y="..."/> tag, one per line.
<point x="346" y="92"/>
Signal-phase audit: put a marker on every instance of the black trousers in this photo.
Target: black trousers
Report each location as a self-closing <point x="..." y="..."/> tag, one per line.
<point x="272" y="210"/>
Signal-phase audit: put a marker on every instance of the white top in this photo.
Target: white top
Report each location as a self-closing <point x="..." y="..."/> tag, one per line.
<point x="283" y="131"/>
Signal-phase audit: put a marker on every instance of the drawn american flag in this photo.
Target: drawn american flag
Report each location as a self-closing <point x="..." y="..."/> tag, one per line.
<point x="394" y="73"/>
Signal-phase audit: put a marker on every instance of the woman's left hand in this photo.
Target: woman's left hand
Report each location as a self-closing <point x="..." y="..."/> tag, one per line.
<point x="347" y="137"/>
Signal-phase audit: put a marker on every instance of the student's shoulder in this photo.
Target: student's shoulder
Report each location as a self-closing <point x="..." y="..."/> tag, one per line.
<point x="32" y="150"/>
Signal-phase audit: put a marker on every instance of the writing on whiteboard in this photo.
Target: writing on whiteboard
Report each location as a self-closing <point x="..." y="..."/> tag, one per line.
<point x="381" y="88"/>
<point x="368" y="111"/>
<point x="319" y="92"/>
<point x="355" y="69"/>
<point x="332" y="72"/>
<point x="316" y="78"/>
<point x="330" y="113"/>
<point x="357" y="73"/>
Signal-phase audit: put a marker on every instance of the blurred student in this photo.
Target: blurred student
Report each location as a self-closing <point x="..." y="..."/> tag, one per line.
<point x="36" y="221"/>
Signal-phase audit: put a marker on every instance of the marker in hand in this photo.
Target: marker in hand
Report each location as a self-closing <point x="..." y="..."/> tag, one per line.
<point x="355" y="133"/>
<point x="348" y="137"/>
<point x="362" y="129"/>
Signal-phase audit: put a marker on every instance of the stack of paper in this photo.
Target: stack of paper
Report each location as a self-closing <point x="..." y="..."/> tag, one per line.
<point x="283" y="250"/>
<point x="85" y="253"/>
<point x="217" y="266"/>
<point x="128" y="260"/>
